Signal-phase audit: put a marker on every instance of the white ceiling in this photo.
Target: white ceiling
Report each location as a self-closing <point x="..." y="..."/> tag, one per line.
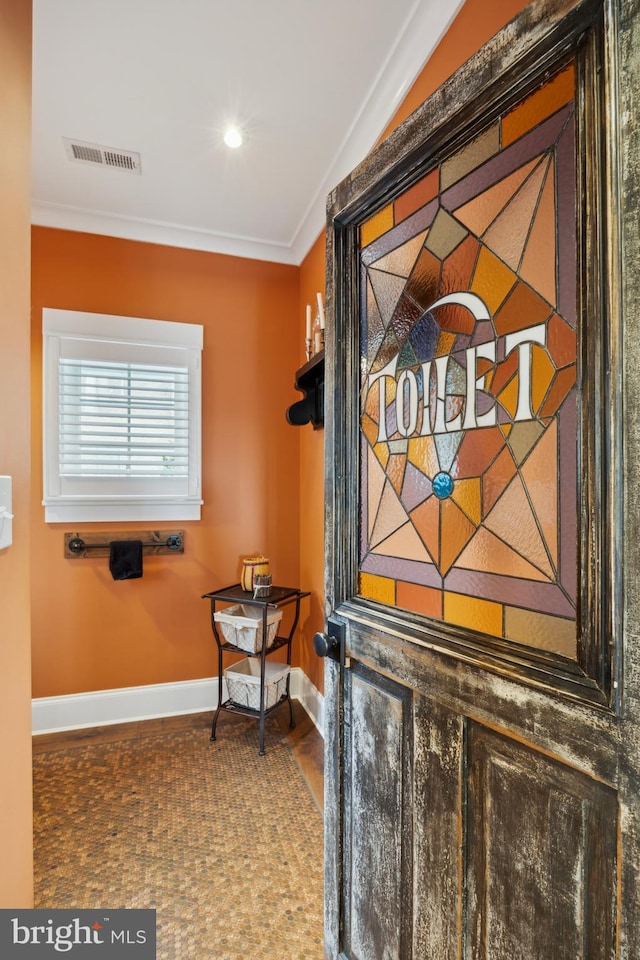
<point x="312" y="82"/>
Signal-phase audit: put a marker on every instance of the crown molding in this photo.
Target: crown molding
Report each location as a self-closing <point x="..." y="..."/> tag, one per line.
<point x="62" y="217"/>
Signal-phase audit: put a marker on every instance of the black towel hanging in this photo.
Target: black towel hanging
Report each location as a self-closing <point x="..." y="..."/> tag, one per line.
<point x="125" y="559"/>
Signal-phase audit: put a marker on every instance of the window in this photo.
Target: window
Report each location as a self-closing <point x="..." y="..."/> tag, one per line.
<point x="122" y="399"/>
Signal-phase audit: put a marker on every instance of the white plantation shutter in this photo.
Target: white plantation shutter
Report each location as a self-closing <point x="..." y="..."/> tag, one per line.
<point x="122" y="418"/>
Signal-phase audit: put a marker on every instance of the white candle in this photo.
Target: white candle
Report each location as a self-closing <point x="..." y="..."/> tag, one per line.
<point x="321" y="311"/>
<point x="308" y="321"/>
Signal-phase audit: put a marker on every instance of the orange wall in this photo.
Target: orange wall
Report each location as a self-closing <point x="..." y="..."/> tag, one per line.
<point x="476" y="23"/>
<point x="312" y="273"/>
<point x="89" y="631"/>
<point x="16" y="845"/>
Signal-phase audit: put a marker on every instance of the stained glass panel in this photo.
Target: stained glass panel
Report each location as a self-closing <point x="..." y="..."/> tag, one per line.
<point x="468" y="407"/>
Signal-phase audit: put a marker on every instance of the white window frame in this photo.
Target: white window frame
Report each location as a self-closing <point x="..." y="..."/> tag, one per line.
<point x="129" y="339"/>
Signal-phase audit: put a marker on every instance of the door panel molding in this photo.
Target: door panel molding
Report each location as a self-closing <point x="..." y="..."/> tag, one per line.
<point x="439" y="784"/>
<point x="378" y="835"/>
<point x="550" y="834"/>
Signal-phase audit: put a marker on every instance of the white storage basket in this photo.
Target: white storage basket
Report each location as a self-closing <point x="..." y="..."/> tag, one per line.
<point x="243" y="682"/>
<point x="241" y="625"/>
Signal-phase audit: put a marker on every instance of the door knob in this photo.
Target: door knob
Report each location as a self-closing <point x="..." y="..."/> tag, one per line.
<point x="333" y="643"/>
<point x="326" y="646"/>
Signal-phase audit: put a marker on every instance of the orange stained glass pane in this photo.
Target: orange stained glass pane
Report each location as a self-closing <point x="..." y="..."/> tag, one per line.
<point x="424" y="455"/>
<point x="540" y="473"/>
<point x="492" y="279"/>
<point x="563" y="381"/>
<point x="376" y="479"/>
<point x="512" y="519"/>
<point x="457" y="269"/>
<point x="488" y="554"/>
<point x="482" y="615"/>
<point x="391" y="516"/>
<point x="454" y="318"/>
<point x="401" y="260"/>
<point x="417" y="196"/>
<point x="369" y="426"/>
<point x="539" y="262"/>
<point x="508" y="234"/>
<point x="466" y="493"/>
<point x="426" y="520"/>
<point x="542" y="631"/>
<point x="390" y="390"/>
<point x="381" y="451"/>
<point x="456" y="531"/>
<point x="483" y="210"/>
<point x="486" y="145"/>
<point x="372" y="403"/>
<point x="542" y="371"/>
<point x="561" y="341"/>
<point x="423" y="283"/>
<point x="537" y="107"/>
<point x="426" y="600"/>
<point x="382" y="589"/>
<point x="523" y="308"/>
<point x="376" y="225"/>
<point x="504" y="372"/>
<point x="404" y="544"/>
<point x="477" y="451"/>
<point x="395" y="470"/>
<point x="497" y="478"/>
<point x="487" y="369"/>
<point x="445" y="343"/>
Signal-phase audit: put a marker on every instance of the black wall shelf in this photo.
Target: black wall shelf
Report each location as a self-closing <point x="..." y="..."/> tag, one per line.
<point x="310" y="381"/>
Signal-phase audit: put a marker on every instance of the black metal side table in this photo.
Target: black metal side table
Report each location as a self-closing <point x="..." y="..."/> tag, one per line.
<point x="279" y="597"/>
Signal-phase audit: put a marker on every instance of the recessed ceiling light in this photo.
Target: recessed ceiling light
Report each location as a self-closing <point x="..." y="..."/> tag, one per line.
<point x="232" y="137"/>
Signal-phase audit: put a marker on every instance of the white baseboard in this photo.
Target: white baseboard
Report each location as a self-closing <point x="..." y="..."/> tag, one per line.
<point x="309" y="696"/>
<point x="104" y="707"/>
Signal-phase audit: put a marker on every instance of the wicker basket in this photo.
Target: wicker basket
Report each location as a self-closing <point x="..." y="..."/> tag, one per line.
<point x="243" y="683"/>
<point x="241" y="625"/>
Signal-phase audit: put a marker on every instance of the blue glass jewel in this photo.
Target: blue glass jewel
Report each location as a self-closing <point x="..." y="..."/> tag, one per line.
<point x="442" y="485"/>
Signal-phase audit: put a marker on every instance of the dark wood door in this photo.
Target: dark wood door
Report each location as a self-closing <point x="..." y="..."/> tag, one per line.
<point x="481" y="699"/>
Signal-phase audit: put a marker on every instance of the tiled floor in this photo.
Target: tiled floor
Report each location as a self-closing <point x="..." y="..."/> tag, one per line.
<point x="226" y="845"/>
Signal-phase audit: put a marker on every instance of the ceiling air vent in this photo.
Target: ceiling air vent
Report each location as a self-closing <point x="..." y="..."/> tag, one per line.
<point x="94" y="153"/>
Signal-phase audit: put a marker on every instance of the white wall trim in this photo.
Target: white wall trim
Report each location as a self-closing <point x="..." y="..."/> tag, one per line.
<point x="309" y="696"/>
<point x="104" y="707"/>
<point x="62" y="217"/>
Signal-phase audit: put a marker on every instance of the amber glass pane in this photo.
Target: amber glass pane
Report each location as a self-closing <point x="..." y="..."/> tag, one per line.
<point x="538" y="106"/>
<point x="468" y="417"/>
<point x="377" y="225"/>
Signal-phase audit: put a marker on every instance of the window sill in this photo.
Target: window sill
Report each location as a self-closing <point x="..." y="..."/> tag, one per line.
<point x="82" y="511"/>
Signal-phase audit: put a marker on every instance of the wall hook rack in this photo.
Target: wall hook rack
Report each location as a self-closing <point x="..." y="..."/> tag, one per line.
<point x="154" y="542"/>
